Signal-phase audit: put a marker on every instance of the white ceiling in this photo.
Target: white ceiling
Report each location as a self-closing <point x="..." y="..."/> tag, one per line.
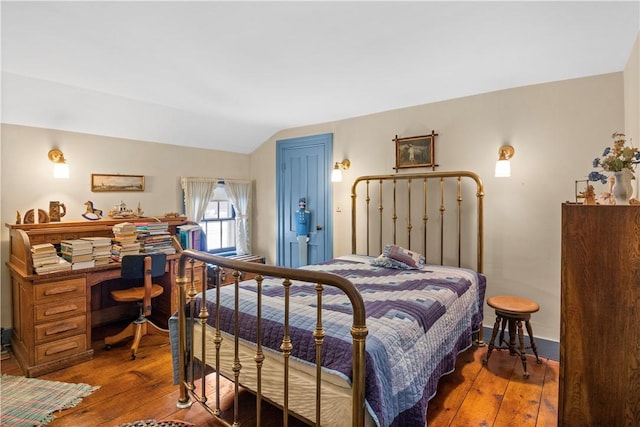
<point x="228" y="75"/>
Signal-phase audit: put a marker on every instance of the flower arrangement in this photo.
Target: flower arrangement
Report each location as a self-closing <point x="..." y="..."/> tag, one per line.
<point x="615" y="158"/>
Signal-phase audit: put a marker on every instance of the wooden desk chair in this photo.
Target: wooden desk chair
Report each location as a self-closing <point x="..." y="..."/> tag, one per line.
<point x="511" y="311"/>
<point x="136" y="267"/>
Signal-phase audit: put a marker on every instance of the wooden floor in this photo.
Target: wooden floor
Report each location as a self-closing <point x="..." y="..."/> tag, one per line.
<point x="473" y="395"/>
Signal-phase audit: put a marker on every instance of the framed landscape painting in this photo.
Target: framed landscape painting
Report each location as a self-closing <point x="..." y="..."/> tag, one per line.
<point x="108" y="182"/>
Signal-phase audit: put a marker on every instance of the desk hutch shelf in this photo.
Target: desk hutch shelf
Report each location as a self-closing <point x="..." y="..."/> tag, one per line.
<point x="53" y="313"/>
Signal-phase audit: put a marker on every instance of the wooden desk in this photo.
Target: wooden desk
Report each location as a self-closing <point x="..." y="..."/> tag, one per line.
<point x="53" y="313"/>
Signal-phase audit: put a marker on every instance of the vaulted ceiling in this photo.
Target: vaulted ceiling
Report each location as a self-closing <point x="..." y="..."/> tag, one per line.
<point x="228" y="75"/>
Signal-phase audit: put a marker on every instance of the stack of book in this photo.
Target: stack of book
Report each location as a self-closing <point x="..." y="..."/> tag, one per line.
<point x="46" y="259"/>
<point x="154" y="237"/>
<point x="101" y="249"/>
<point x="190" y="236"/>
<point x="78" y="252"/>
<point x="125" y="241"/>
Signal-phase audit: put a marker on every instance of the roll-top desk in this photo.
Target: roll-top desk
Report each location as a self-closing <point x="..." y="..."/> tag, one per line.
<point x="53" y="313"/>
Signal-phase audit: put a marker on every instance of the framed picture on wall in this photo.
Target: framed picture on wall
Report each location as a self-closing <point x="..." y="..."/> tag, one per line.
<point x="109" y="182"/>
<point x="415" y="151"/>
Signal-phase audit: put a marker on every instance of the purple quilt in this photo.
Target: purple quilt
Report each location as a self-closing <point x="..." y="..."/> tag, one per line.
<point x="418" y="321"/>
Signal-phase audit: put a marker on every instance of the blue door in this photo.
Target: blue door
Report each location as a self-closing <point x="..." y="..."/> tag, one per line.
<point x="304" y="167"/>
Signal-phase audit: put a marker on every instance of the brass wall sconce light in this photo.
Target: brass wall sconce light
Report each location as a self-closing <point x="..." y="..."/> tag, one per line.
<point x="503" y="165"/>
<point x="60" y="167"/>
<point x="336" y="174"/>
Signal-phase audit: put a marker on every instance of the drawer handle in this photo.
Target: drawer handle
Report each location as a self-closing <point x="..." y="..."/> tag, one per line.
<point x="61" y="348"/>
<point x="60" y="309"/>
<point x="60" y="290"/>
<point x="62" y="327"/>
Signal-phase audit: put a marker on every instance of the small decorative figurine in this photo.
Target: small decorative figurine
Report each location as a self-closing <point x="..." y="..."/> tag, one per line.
<point x="121" y="211"/>
<point x="18" y="218"/>
<point x="606" y="199"/>
<point x="56" y="211"/>
<point x="303" y="221"/>
<point x="36" y="216"/>
<point x="589" y="196"/>
<point x="92" y="214"/>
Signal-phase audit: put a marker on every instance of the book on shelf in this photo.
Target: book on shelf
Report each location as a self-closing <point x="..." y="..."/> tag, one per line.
<point x="43" y="248"/>
<point x="101" y="249"/>
<point x="102" y="260"/>
<point x="44" y="259"/>
<point x="98" y="242"/>
<point x="61" y="265"/>
<point x="73" y="258"/>
<point x="83" y="264"/>
<point x="76" y="246"/>
<point x="190" y="236"/>
<point x="125" y="239"/>
<point x="124" y="228"/>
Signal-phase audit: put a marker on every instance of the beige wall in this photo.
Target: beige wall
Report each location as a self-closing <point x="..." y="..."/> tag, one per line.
<point x="556" y="129"/>
<point x="27" y="173"/>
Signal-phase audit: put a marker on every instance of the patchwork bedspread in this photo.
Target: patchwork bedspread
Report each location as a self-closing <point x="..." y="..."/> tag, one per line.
<point x="418" y="320"/>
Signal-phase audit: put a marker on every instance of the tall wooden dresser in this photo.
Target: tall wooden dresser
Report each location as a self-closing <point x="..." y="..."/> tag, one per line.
<point x="600" y="316"/>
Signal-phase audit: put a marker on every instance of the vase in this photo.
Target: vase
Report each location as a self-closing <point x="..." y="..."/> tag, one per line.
<point x="622" y="189"/>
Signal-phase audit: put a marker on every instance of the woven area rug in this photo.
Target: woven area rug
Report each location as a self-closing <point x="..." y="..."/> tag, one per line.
<point x="28" y="402"/>
<point x="154" y="423"/>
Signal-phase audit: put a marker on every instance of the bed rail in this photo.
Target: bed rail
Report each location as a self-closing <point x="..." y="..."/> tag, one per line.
<point x="187" y="359"/>
<point x="425" y="199"/>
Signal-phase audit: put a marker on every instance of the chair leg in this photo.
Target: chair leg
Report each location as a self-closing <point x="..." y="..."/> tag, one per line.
<point x="153" y="329"/>
<point x="126" y="333"/>
<point x="141" y="326"/>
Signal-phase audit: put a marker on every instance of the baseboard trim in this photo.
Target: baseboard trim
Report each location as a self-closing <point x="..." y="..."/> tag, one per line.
<point x="547" y="349"/>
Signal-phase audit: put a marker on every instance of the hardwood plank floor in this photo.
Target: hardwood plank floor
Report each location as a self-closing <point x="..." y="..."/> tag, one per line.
<point x="473" y="395"/>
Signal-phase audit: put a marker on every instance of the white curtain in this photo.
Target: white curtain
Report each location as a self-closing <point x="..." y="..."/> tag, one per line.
<point x="197" y="193"/>
<point x="239" y="193"/>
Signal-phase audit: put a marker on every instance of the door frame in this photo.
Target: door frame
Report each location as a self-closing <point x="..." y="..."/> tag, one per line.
<point x="324" y="140"/>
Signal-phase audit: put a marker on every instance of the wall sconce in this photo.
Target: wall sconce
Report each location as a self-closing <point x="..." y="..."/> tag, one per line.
<point x="503" y="165"/>
<point x="60" y="167"/>
<point x="336" y="174"/>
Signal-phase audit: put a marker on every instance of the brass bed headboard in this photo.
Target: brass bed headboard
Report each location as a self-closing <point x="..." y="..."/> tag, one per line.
<point x="424" y="195"/>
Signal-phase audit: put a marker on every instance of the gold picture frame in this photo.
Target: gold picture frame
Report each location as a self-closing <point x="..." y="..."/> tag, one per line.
<point x="101" y="182"/>
<point x="416" y="151"/>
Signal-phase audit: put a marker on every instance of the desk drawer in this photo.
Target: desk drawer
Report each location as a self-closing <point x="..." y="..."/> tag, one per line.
<point x="60" y="309"/>
<point x="60" y="348"/>
<point x="61" y="328"/>
<point x="63" y="289"/>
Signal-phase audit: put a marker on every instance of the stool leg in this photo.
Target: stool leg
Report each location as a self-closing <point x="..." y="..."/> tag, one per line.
<point x="493" y="340"/>
<point x="513" y="331"/>
<point x="502" y="329"/>
<point x="532" y="341"/>
<point x="523" y="355"/>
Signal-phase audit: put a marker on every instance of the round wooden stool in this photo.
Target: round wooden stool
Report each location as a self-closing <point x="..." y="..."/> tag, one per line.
<point x="512" y="311"/>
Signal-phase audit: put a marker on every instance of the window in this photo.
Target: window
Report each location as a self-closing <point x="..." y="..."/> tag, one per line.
<point x="219" y="223"/>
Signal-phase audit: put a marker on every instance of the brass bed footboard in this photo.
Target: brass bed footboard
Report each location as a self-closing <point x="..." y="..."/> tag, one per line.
<point x="190" y="362"/>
